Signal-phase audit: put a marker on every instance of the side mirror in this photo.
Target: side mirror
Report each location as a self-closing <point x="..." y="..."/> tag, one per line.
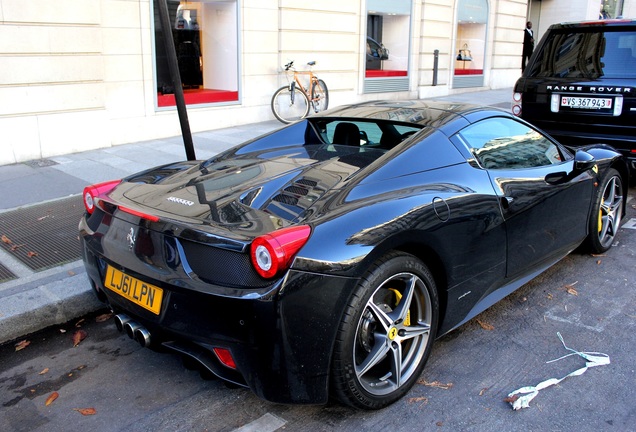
<point x="583" y="161"/>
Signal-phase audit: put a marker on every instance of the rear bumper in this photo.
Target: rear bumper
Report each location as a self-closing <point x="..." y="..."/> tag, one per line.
<point x="281" y="340"/>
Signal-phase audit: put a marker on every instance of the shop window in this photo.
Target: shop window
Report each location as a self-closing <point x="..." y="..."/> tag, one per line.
<point x="205" y="35"/>
<point x="470" y="46"/>
<point x="610" y="9"/>
<point x="387" y="45"/>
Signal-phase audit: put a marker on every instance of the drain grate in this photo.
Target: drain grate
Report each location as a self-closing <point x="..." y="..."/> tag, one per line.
<point x="6" y="274"/>
<point x="44" y="235"/>
<point x="40" y="163"/>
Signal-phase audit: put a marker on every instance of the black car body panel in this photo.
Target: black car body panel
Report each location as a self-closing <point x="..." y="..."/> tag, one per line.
<point x="414" y="184"/>
<point x="584" y="63"/>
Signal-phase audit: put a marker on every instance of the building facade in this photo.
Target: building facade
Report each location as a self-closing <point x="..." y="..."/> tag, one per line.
<point x="77" y="75"/>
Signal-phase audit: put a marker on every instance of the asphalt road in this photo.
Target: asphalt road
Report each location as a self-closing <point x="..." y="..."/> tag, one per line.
<point x="589" y="300"/>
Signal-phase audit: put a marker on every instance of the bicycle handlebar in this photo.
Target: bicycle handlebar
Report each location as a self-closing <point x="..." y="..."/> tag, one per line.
<point x="290" y="65"/>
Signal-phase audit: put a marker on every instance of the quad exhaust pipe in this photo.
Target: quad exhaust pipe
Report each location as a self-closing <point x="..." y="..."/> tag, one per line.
<point x="133" y="329"/>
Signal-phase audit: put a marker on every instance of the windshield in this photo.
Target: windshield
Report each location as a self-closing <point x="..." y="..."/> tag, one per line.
<point x="587" y="53"/>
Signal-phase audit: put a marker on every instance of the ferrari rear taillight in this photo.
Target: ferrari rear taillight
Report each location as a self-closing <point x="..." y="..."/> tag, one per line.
<point x="273" y="253"/>
<point x="151" y="218"/>
<point x="91" y="193"/>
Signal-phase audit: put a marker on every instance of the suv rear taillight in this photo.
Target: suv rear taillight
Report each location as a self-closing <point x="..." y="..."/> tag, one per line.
<point x="516" y="103"/>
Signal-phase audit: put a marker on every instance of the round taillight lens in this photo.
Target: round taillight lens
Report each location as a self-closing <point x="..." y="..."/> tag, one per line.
<point x="516" y="96"/>
<point x="273" y="253"/>
<point x="263" y="258"/>
<point x="89" y="202"/>
<point x="91" y="193"/>
<point x="516" y="110"/>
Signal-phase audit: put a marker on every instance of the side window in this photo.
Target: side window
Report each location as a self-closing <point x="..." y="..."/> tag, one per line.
<point x="503" y="143"/>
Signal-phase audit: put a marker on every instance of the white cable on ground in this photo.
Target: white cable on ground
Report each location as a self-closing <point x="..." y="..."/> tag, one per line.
<point x="528" y="393"/>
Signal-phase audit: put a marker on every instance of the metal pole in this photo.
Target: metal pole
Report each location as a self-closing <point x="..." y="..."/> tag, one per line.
<point x="435" y="66"/>
<point x="173" y="65"/>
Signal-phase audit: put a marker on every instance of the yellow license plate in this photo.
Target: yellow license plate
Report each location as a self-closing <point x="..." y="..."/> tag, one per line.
<point x="141" y="293"/>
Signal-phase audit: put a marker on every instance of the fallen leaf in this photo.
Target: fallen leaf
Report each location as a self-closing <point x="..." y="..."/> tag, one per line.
<point x="32" y="254"/>
<point x="79" y="336"/>
<point x="485" y="325"/>
<point x="45" y="370"/>
<point x="71" y="273"/>
<point x="436" y="384"/>
<point x="51" y="398"/>
<point x="81" y="367"/>
<point x="570" y="290"/>
<point x="483" y="391"/>
<point x="85" y="411"/>
<point x="62" y="331"/>
<point x="22" y="345"/>
<point x="103" y="317"/>
<point x="598" y="262"/>
<point x="549" y="296"/>
<point x="15" y="247"/>
<point x="43" y="217"/>
<point x="422" y="399"/>
<point x="79" y="323"/>
<point x="440" y="424"/>
<point x="6" y="239"/>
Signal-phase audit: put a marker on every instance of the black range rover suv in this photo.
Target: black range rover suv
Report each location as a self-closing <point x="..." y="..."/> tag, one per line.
<point x="580" y="85"/>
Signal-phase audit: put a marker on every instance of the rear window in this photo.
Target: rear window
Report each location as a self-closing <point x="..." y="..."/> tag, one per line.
<point x="587" y="53"/>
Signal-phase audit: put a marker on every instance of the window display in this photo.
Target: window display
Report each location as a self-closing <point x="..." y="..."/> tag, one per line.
<point x="470" y="43"/>
<point x="387" y="45"/>
<point x="205" y="35"/>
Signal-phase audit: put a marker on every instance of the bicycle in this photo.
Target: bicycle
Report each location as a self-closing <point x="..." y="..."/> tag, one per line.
<point x="293" y="101"/>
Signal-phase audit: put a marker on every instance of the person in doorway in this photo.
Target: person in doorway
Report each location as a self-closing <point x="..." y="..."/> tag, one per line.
<point x="528" y="45"/>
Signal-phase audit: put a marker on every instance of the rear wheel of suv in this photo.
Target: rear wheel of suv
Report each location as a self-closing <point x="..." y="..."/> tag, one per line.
<point x="607" y="213"/>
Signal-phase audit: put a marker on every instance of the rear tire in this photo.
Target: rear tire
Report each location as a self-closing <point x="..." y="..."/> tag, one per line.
<point x="288" y="109"/>
<point x="386" y="333"/>
<point x="320" y="96"/>
<point x="607" y="213"/>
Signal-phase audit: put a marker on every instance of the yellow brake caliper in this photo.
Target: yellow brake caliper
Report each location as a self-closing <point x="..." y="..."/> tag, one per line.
<point x="398" y="296"/>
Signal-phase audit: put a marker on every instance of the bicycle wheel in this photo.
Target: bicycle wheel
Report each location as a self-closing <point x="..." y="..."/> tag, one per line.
<point x="319" y="96"/>
<point x="288" y="109"/>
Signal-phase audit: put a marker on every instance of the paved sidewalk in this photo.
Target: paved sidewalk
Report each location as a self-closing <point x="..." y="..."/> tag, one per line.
<point x="34" y="300"/>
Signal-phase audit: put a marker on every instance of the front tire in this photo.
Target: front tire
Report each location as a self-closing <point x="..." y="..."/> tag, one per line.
<point x="289" y="107"/>
<point x="386" y="333"/>
<point x="607" y="213"/>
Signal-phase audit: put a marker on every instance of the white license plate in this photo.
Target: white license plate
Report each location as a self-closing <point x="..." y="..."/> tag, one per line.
<point x="602" y="105"/>
<point x="586" y="102"/>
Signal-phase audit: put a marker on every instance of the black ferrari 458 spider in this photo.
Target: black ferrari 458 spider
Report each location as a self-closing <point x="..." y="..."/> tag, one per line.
<point x="323" y="259"/>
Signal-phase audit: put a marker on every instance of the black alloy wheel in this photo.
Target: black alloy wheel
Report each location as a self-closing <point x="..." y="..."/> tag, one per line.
<point x="386" y="333"/>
